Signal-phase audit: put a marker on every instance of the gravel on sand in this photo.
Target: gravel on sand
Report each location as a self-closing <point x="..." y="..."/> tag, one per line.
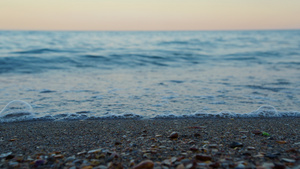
<point x="152" y="143"/>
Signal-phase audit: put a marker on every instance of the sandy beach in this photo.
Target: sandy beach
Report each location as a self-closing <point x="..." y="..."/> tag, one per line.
<point x="159" y="143"/>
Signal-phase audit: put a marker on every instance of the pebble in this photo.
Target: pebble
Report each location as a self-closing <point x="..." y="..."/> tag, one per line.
<point x="250" y="148"/>
<point x="174" y="135"/>
<point x="267" y="165"/>
<point x="257" y="132"/>
<point x="236" y="144"/>
<point x="147" y="164"/>
<point x="4" y="155"/>
<point x="100" y="167"/>
<point x="244" y="137"/>
<point x="95" y="151"/>
<point x="215" y="165"/>
<point x="194" y="149"/>
<point x="167" y="162"/>
<point x="203" y="157"/>
<point x="13" y="164"/>
<point x="180" y="166"/>
<point x="287" y="160"/>
<point x="279" y="166"/>
<point x="271" y="156"/>
<point x="212" y="146"/>
<point x="70" y="159"/>
<point x="280" y="142"/>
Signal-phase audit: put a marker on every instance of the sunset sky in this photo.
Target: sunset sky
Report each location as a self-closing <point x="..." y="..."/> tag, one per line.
<point x="149" y="14"/>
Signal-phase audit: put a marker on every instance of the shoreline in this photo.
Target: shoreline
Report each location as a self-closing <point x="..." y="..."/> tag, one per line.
<point x="113" y="143"/>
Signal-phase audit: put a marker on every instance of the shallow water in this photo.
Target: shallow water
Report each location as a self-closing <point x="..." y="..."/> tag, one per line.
<point x="79" y="75"/>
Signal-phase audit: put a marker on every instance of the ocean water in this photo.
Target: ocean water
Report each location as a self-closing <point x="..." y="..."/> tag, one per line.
<point x="66" y="75"/>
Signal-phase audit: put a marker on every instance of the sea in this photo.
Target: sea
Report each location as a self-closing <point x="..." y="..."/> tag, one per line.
<point x="86" y="75"/>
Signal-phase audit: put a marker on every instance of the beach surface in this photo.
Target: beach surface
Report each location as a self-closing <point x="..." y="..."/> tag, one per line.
<point x="159" y="143"/>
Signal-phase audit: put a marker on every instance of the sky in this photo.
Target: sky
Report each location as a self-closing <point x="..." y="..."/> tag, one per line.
<point x="149" y="14"/>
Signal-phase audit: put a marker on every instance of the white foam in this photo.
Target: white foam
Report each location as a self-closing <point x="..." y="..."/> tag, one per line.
<point x="16" y="110"/>
<point x="265" y="111"/>
<point x="125" y="115"/>
<point x="261" y="112"/>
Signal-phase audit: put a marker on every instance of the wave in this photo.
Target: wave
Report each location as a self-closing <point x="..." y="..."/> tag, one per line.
<point x="262" y="112"/>
<point x="196" y="42"/>
<point x="38" y="51"/>
<point x="34" y="64"/>
<point x="20" y="111"/>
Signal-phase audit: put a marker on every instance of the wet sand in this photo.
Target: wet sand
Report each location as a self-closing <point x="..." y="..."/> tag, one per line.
<point x="159" y="143"/>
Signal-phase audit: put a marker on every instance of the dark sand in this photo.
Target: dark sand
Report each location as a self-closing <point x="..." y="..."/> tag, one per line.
<point x="201" y="143"/>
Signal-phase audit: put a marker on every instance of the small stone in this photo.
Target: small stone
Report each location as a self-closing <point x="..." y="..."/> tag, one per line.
<point x="100" y="167"/>
<point x="13" y="164"/>
<point x="39" y="162"/>
<point x="70" y="159"/>
<point x="240" y="166"/>
<point x="115" y="165"/>
<point x="173" y="135"/>
<point x="191" y="165"/>
<point x="59" y="156"/>
<point x="4" y="155"/>
<point x="180" y="166"/>
<point x="271" y="156"/>
<point x="194" y="149"/>
<point x="203" y="157"/>
<point x="77" y="162"/>
<point x="95" y="162"/>
<point x="173" y="159"/>
<point x="287" y="160"/>
<point x="236" y="144"/>
<point x="257" y="132"/>
<point x="280" y="142"/>
<point x="9" y="157"/>
<point x="197" y="135"/>
<point x="167" y="162"/>
<point x="114" y="155"/>
<point x="191" y="142"/>
<point x="292" y="150"/>
<point x="19" y="158"/>
<point x="131" y="163"/>
<point x="147" y="164"/>
<point x="247" y="154"/>
<point x="212" y="146"/>
<point x="267" y="165"/>
<point x="117" y="143"/>
<point x="279" y="166"/>
<point x="81" y="153"/>
<point x="205" y="142"/>
<point x="259" y="155"/>
<point x="215" y="165"/>
<point x="94" y="151"/>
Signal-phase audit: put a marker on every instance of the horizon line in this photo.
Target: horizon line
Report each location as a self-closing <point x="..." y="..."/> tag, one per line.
<point x="163" y="30"/>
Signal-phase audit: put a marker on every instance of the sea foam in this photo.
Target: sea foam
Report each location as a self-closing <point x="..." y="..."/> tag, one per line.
<point x="17" y="111"/>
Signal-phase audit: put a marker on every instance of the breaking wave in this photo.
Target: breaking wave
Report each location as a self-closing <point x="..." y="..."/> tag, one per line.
<point x="19" y="111"/>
